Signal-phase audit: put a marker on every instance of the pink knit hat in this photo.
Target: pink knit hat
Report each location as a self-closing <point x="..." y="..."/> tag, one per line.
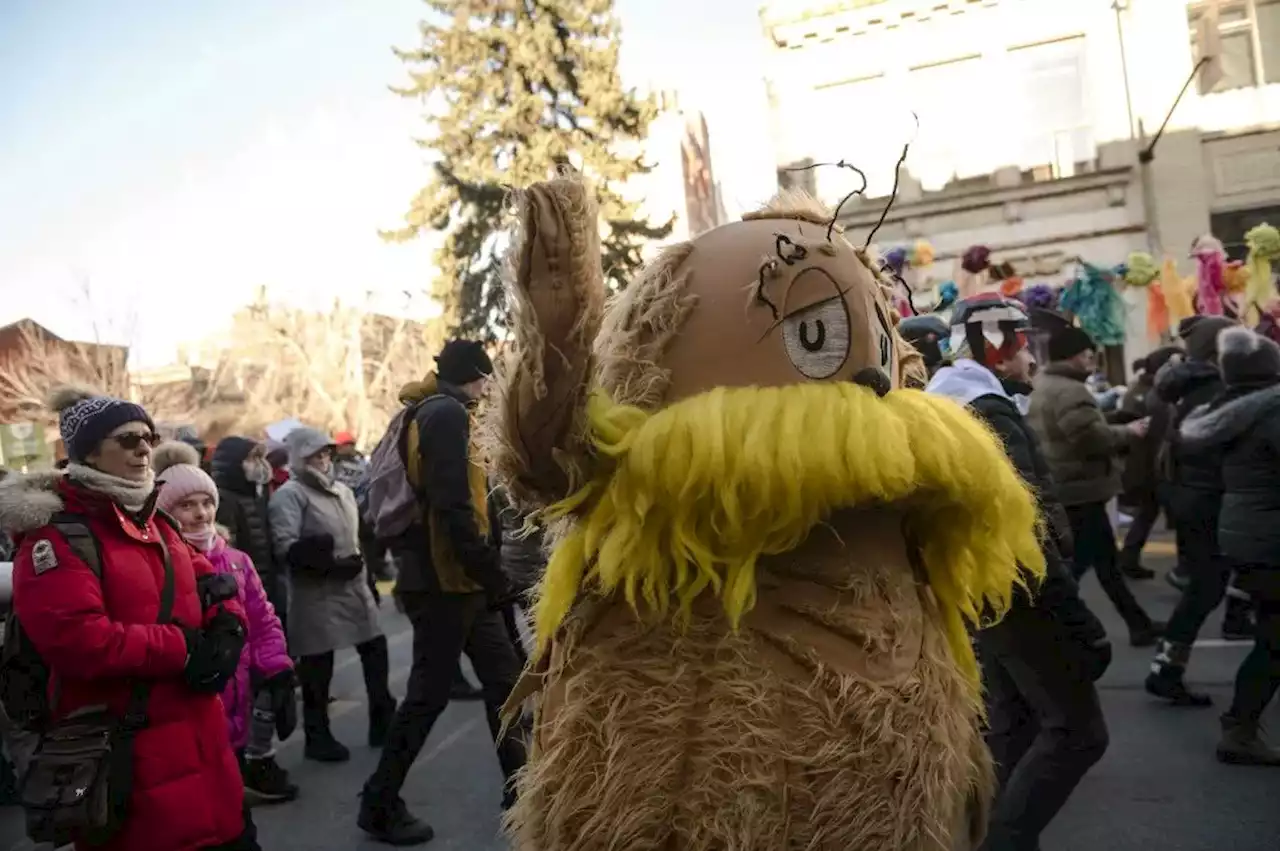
<point x="178" y="475"/>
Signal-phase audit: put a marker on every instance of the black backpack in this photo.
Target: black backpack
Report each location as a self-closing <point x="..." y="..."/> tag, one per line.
<point x="24" y="676"/>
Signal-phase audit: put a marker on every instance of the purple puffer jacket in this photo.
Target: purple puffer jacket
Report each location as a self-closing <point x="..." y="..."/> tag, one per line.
<point x="264" y="654"/>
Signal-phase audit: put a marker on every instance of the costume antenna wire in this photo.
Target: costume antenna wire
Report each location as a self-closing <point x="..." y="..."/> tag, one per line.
<point x="897" y="174"/>
<point x="835" y="216"/>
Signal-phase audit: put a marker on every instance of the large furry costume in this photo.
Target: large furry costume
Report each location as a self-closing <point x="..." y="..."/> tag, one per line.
<point x="752" y="630"/>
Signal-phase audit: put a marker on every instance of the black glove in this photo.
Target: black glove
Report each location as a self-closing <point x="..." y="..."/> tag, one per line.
<point x="373" y="589"/>
<point x="215" y="588"/>
<point x="213" y="653"/>
<point x="312" y="554"/>
<point x="284" y="702"/>
<point x="346" y="568"/>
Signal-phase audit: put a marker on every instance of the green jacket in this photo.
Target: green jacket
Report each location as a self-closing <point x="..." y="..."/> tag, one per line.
<point x="1079" y="445"/>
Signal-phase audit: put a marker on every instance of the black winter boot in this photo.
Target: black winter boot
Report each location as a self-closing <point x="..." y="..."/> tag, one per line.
<point x="390" y="822"/>
<point x="1241" y="745"/>
<point x="1165" y="680"/>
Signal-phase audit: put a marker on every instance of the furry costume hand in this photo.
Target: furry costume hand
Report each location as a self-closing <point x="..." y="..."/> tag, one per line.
<point x="557" y="297"/>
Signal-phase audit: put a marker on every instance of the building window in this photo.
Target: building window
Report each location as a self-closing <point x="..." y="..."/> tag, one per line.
<point x="1053" y="127"/>
<point x="1249" y="34"/>
<point x="1231" y="227"/>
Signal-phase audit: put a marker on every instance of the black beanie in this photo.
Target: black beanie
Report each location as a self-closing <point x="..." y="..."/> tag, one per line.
<point x="1200" y="335"/>
<point x="463" y="361"/>
<point x="1067" y="342"/>
<point x="1247" y="358"/>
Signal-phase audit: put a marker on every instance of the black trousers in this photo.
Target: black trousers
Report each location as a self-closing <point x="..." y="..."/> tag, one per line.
<point x="1145" y="514"/>
<point x="1259" y="675"/>
<point x="1046" y="728"/>
<point x="315" y="674"/>
<point x="1095" y="541"/>
<point x="445" y="625"/>
<point x="1208" y="574"/>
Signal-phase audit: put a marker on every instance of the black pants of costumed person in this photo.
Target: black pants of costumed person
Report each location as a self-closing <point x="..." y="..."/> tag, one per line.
<point x="1045" y="724"/>
<point x="1095" y="546"/>
<point x="445" y="626"/>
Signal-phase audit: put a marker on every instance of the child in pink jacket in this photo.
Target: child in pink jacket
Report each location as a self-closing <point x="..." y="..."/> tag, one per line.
<point x="259" y="699"/>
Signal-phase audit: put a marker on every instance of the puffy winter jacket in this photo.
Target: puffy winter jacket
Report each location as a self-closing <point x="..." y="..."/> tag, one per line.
<point x="1192" y="475"/>
<point x="264" y="654"/>
<point x="242" y="509"/>
<point x="1243" y="429"/>
<point x="1079" y="445"/>
<point x="99" y="635"/>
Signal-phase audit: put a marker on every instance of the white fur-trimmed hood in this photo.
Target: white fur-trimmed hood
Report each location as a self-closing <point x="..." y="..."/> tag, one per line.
<point x="1207" y="426"/>
<point x="29" y="501"/>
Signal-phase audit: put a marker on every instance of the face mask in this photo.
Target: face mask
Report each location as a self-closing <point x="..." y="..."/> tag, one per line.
<point x="201" y="539"/>
<point x="257" y="471"/>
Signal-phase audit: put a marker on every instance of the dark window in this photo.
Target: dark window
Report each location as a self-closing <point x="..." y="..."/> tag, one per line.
<point x="1231" y="227"/>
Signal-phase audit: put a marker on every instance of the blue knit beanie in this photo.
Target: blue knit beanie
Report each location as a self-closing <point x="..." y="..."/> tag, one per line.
<point x="85" y="420"/>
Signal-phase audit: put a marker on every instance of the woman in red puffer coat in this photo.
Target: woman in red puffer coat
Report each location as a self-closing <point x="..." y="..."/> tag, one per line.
<point x="99" y="635"/>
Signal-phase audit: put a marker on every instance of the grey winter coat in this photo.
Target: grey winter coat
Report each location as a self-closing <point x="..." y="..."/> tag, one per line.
<point x="1243" y="430"/>
<point x="324" y="613"/>
<point x="1079" y="445"/>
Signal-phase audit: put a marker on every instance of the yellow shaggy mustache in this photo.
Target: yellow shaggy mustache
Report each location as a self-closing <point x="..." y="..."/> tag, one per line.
<point x="691" y="496"/>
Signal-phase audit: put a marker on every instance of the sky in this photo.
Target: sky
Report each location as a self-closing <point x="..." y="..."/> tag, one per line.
<point x="160" y="162"/>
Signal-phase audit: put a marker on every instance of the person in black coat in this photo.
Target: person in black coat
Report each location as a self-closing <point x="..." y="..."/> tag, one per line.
<point x="240" y="470"/>
<point x="1139" y="479"/>
<point x="1243" y="428"/>
<point x="1192" y="489"/>
<point x="1190" y="484"/>
<point x="1039" y="663"/>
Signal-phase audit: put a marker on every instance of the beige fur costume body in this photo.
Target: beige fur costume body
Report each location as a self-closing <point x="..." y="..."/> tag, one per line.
<point x="834" y="710"/>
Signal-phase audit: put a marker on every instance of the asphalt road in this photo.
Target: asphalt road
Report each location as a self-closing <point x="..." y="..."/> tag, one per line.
<point x="1158" y="788"/>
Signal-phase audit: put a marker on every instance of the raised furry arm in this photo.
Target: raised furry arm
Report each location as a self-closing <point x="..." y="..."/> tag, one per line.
<point x="536" y="433"/>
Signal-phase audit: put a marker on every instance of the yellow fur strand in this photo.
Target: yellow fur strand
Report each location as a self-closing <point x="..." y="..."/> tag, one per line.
<point x="694" y="494"/>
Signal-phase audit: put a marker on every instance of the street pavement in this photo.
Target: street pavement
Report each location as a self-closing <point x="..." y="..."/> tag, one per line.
<point x="1158" y="788"/>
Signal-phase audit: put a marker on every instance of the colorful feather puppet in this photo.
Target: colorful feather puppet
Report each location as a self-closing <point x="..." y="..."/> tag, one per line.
<point x="1093" y="299"/>
<point x="1211" y="285"/>
<point x="1260" y="291"/>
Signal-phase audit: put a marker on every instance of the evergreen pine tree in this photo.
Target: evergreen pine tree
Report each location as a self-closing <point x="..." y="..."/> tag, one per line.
<point x="523" y="86"/>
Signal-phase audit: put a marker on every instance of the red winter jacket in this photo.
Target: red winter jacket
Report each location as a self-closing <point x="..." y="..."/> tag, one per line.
<point x="95" y="635"/>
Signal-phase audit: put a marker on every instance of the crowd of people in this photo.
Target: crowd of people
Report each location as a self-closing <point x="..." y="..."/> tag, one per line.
<point x="1198" y="437"/>
<point x="197" y="590"/>
<point x="218" y="583"/>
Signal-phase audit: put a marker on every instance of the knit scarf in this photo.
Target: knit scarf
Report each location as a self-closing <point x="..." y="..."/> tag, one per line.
<point x="131" y="495"/>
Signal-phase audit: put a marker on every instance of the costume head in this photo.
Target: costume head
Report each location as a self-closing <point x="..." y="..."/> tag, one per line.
<point x="747" y="386"/>
<point x="989" y="328"/>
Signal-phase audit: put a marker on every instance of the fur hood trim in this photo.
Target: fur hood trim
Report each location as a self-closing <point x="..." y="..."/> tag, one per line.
<point x="29" y="502"/>
<point x="1209" y="426"/>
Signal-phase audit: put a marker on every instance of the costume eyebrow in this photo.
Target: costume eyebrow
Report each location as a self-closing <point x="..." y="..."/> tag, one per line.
<point x="839" y="294"/>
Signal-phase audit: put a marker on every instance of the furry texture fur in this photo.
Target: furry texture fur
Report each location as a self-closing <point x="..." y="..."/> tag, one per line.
<point x="29" y="502"/>
<point x="752" y="631"/>
<point x="173" y="452"/>
<point x="693" y="495"/>
<point x="66" y="395"/>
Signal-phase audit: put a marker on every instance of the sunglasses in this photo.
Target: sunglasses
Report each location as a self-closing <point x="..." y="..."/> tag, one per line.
<point x="134" y="439"/>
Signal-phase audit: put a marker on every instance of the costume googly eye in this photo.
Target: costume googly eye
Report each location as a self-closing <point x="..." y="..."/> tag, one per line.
<point x="818" y="338"/>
